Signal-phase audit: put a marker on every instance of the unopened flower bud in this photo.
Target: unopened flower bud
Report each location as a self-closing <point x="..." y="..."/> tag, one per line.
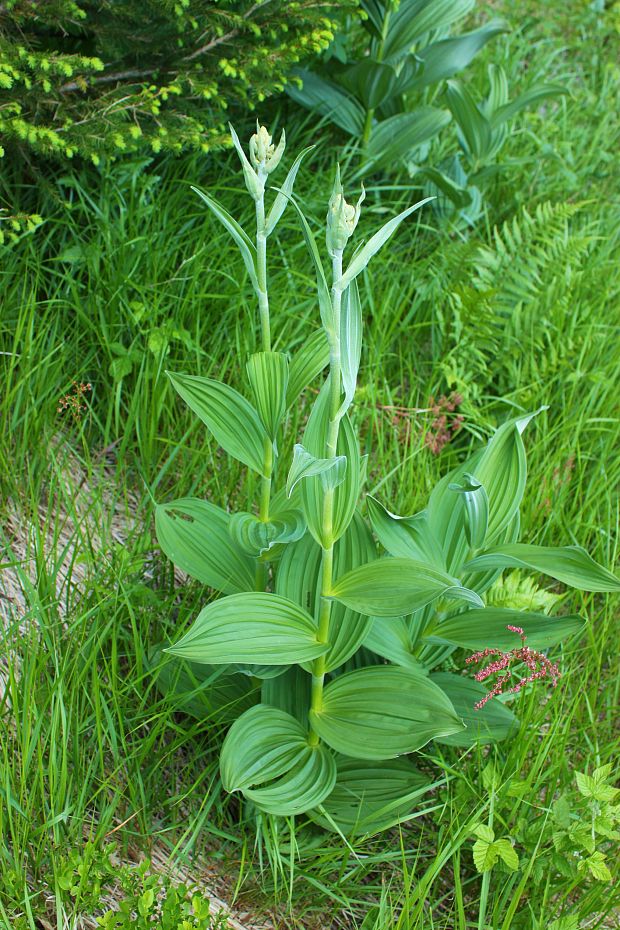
<point x="263" y="153"/>
<point x="342" y="217"/>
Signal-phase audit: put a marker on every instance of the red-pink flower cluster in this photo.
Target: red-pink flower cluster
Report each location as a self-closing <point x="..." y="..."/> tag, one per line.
<point x="538" y="664"/>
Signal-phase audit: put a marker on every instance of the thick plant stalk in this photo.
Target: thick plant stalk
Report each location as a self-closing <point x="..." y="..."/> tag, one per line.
<point x="261" y="269"/>
<point x="327" y="556"/>
<point x="263" y="307"/>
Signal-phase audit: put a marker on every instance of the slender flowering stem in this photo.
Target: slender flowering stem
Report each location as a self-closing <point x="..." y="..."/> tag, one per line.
<point x="263" y="308"/>
<point x="327" y="555"/>
<point x="538" y="664"/>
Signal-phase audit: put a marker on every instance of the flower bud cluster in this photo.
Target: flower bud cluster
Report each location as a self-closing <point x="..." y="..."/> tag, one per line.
<point x="342" y="217"/>
<point x="264" y="157"/>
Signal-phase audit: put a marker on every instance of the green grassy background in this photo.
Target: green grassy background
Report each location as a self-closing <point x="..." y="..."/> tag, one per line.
<point x="128" y="276"/>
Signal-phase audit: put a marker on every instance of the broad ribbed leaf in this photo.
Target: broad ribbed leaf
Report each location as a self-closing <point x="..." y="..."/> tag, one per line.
<point x="350" y="343"/>
<point x="284" y="194"/>
<point x="527" y="99"/>
<point x="298" y="578"/>
<point x="263" y="743"/>
<point x="477" y="629"/>
<point x="324" y="294"/>
<point x="406" y="537"/>
<point x="476" y="503"/>
<point x="305" y="465"/>
<point x="501" y="468"/>
<point x="370" y="797"/>
<point x="416" y="17"/>
<point x="397" y="136"/>
<point x="306" y="364"/>
<point x="382" y="712"/>
<point x="570" y="564"/>
<point x="492" y="722"/>
<point x="329" y="100"/>
<point x="393" y="641"/>
<point x="202" y="691"/>
<point x="394" y="587"/>
<point x="257" y="537"/>
<point x="369" y="81"/>
<point x="233" y="421"/>
<point x="346" y="495"/>
<point x="266" y="756"/>
<point x="474" y="129"/>
<point x="194" y="535"/>
<point x="268" y="376"/>
<point x="249" y="173"/>
<point x="257" y="628"/>
<point x="306" y="784"/>
<point x="289" y="692"/>
<point x="244" y="243"/>
<point x="447" y="57"/>
<point x="364" y="255"/>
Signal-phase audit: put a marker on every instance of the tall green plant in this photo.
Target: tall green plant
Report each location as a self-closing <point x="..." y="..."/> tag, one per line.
<point x="345" y="633"/>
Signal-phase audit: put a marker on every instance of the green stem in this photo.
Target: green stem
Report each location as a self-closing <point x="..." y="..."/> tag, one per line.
<point x="261" y="273"/>
<point x="263" y="308"/>
<point x="327" y="534"/>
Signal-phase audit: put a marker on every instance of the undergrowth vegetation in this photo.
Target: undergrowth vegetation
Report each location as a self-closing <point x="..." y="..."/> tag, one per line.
<point x="127" y="276"/>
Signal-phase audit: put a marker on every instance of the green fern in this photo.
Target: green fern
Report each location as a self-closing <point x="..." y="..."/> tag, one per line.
<point x="516" y="313"/>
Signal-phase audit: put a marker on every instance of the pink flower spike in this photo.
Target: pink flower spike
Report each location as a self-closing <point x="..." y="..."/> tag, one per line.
<point x="537" y="663"/>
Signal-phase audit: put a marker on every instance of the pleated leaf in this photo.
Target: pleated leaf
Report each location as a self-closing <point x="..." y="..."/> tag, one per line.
<point x="262" y="744"/>
<point x="370" y="797"/>
<point x="396" y="137"/>
<point x="268" y="376"/>
<point x="284" y="194"/>
<point x="501" y="468"/>
<point x="570" y="564"/>
<point x="491" y="723"/>
<point x="447" y="57"/>
<point x="202" y="691"/>
<point x="474" y="129"/>
<point x="324" y="295"/>
<point x="194" y="535"/>
<point x="306" y="784"/>
<point x="266" y="756"/>
<point x="476" y="503"/>
<point x="289" y="692"/>
<point x="412" y="20"/>
<point x="393" y="641"/>
<point x="257" y="627"/>
<point x="298" y="578"/>
<point x="405" y="537"/>
<point x="350" y="343"/>
<point x="233" y="421"/>
<point x="327" y="98"/>
<point x="243" y="241"/>
<point x="346" y="495"/>
<point x="477" y="629"/>
<point x="257" y="538"/>
<point x="306" y="364"/>
<point x="394" y="587"/>
<point x="383" y="712"/>
<point x="305" y="465"/>
<point x="361" y="259"/>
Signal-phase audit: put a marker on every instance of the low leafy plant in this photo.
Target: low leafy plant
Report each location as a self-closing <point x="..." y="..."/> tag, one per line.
<point x="327" y="646"/>
<point x="482" y="130"/>
<point x="380" y="84"/>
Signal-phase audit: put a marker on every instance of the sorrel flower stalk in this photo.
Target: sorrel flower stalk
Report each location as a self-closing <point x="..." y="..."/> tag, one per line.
<point x="538" y="664"/>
